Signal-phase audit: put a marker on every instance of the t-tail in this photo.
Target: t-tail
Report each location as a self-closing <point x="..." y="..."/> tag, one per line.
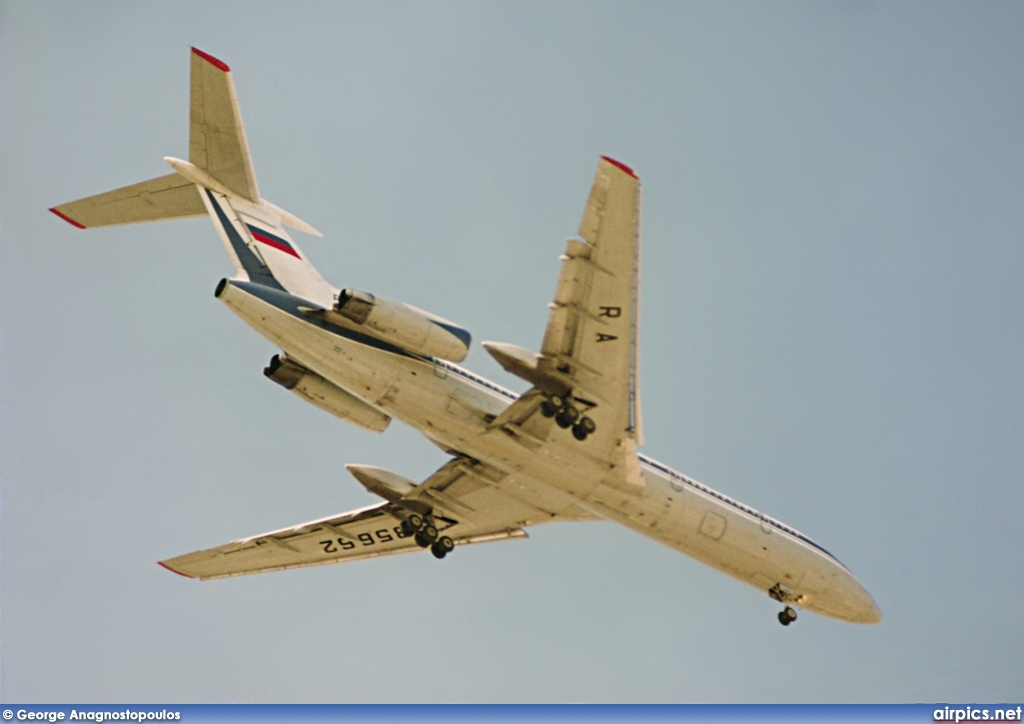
<point x="218" y="180"/>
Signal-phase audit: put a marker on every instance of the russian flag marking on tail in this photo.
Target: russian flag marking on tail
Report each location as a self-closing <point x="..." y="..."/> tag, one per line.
<point x="272" y="240"/>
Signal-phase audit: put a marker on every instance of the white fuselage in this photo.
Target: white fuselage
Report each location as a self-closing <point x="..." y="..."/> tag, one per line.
<point x="452" y="407"/>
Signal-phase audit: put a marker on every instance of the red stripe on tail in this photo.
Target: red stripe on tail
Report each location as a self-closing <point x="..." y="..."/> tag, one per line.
<point x="274" y="243"/>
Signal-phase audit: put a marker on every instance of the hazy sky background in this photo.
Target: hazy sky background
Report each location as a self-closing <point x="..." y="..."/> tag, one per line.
<point x="833" y="293"/>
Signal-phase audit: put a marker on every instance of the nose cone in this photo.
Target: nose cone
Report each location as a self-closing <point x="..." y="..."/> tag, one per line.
<point x="866" y="610"/>
<point x="847" y="599"/>
<point x="836" y="593"/>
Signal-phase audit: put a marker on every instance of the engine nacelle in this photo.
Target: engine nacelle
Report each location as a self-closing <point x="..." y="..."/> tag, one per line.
<point x="324" y="394"/>
<point x="403" y="325"/>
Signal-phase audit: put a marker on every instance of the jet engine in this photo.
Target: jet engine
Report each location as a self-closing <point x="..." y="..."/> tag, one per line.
<point x="324" y="394"/>
<point x="403" y="325"/>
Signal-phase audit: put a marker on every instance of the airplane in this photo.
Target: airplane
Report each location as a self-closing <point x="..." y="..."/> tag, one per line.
<point x="565" y="450"/>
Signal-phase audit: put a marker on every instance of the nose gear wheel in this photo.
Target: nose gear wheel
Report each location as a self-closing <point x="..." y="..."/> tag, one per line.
<point x="787" y="616"/>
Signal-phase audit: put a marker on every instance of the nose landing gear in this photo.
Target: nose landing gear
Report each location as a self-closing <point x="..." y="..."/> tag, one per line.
<point x="784" y="594"/>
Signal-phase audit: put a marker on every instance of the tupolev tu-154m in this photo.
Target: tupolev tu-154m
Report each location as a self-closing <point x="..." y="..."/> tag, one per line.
<point x="565" y="450"/>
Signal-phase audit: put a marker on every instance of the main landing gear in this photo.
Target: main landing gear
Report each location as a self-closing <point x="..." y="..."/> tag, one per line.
<point x="787" y="616"/>
<point x="426" y="535"/>
<point x="567" y="415"/>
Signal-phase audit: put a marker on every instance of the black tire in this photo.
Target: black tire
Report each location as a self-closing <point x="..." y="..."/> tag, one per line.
<point x="567" y="417"/>
<point x="445" y="543"/>
<point x="548" y="409"/>
<point x="784" y="619"/>
<point x="579" y="432"/>
<point x="415" y="521"/>
<point x="588" y="425"/>
<point x="429" y="532"/>
<point x="438" y="551"/>
<point x="422" y="542"/>
<point x="558" y="402"/>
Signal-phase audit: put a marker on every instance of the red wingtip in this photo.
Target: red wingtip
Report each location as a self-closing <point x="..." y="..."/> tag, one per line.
<point x="68" y="219"/>
<point x="215" y="62"/>
<point x="621" y="165"/>
<point x="161" y="563"/>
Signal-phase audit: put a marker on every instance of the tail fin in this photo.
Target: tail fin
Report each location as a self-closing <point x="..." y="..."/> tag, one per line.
<point x="217" y="180"/>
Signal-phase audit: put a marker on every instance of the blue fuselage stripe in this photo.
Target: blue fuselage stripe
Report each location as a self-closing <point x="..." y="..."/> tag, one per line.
<point x="256" y="269"/>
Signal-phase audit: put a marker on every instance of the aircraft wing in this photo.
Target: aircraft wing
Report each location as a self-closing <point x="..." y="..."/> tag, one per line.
<point x="591" y="339"/>
<point x="216" y="141"/>
<point x="470" y="503"/>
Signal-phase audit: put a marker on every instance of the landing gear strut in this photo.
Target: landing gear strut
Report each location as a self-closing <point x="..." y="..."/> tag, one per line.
<point x="784" y="594"/>
<point x="787" y="616"/>
<point x="567" y="415"/>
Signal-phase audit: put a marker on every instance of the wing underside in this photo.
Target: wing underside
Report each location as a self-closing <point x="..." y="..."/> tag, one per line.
<point x="593" y="328"/>
<point x="468" y="503"/>
<point x="588" y="358"/>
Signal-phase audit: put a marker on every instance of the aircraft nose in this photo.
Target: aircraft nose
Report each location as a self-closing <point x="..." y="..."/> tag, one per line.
<point x="869" y="612"/>
<point x="861" y="607"/>
<point x="842" y="596"/>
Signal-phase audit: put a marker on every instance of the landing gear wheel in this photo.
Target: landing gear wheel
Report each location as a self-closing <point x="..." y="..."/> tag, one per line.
<point x="429" y="532"/>
<point x="442" y="547"/>
<point x="567" y="417"/>
<point x="547" y="408"/>
<point x="583" y="428"/>
<point x="787" y="616"/>
<point x="422" y="542"/>
<point x="412" y="524"/>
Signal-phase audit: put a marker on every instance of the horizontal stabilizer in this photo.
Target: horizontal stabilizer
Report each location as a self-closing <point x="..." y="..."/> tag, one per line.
<point x="166" y="197"/>
<point x="216" y="140"/>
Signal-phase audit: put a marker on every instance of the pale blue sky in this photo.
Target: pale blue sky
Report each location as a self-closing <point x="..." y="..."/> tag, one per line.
<point x="833" y="292"/>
